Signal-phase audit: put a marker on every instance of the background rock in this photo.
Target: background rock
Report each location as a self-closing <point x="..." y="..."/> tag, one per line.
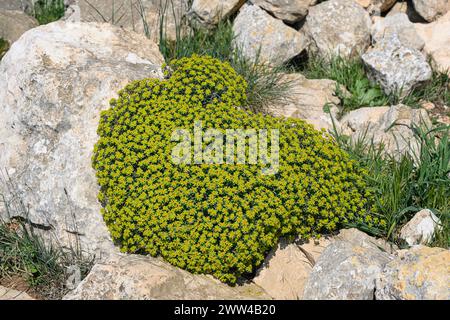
<point x="308" y="99"/>
<point x="430" y="10"/>
<point x="420" y="273"/>
<point x="389" y="126"/>
<point x="208" y="13"/>
<point x="128" y="14"/>
<point x="397" y="25"/>
<point x="290" y="11"/>
<point x="15" y="23"/>
<point x="338" y="27"/>
<point x="54" y="82"/>
<point x="421" y="228"/>
<point x="134" y="277"/>
<point x="396" y="68"/>
<point x="437" y="41"/>
<point x="20" y="5"/>
<point x="376" y="5"/>
<point x="361" y="119"/>
<point x="256" y="31"/>
<point x="346" y="271"/>
<point x="406" y="7"/>
<point x="287" y="268"/>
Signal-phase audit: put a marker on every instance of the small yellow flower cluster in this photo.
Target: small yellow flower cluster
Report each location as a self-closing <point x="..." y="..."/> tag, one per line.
<point x="215" y="219"/>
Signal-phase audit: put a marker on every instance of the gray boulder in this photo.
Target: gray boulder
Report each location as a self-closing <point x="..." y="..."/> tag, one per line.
<point x="395" y="67"/>
<point x="347" y="270"/>
<point x="258" y="33"/>
<point x="290" y="11"/>
<point x="430" y="10"/>
<point x="420" y="273"/>
<point x="338" y="27"/>
<point x="208" y="13"/>
<point x="406" y="7"/>
<point x="421" y="228"/>
<point x="134" y="277"/>
<point x="397" y="25"/>
<point x="361" y="239"/>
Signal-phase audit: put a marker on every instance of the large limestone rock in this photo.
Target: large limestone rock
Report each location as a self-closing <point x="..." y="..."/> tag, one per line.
<point x="208" y="13"/>
<point x="259" y="34"/>
<point x="361" y="239"/>
<point x="406" y="7"/>
<point x="376" y="6"/>
<point x="430" y="10"/>
<point x="312" y="100"/>
<point x="338" y="27"/>
<point x="290" y="11"/>
<point x="347" y="270"/>
<point x="358" y="121"/>
<point x="421" y="228"/>
<point x="142" y="16"/>
<point x="134" y="277"/>
<point x="420" y="273"/>
<point x="54" y="82"/>
<point x="287" y="268"/>
<point x="387" y="126"/>
<point x="398" y="7"/>
<point x="15" y="23"/>
<point x="363" y="3"/>
<point x="395" y="67"/>
<point x="11" y="294"/>
<point x="397" y="25"/>
<point x="437" y="41"/>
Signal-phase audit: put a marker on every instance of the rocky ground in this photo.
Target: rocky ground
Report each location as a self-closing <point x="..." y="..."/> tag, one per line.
<point x="56" y="78"/>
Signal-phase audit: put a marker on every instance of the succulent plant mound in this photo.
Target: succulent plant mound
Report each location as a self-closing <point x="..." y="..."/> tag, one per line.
<point x="218" y="219"/>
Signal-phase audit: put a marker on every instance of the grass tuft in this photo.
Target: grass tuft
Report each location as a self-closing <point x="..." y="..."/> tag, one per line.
<point x="4" y="46"/>
<point x="50" y="270"/>
<point x="216" y="43"/>
<point x="45" y="269"/>
<point x="437" y="91"/>
<point x="354" y="88"/>
<point x="46" y="11"/>
<point x="267" y="86"/>
<point x="406" y="185"/>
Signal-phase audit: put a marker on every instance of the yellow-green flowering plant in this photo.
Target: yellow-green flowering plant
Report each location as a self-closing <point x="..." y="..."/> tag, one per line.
<point x="218" y="219"/>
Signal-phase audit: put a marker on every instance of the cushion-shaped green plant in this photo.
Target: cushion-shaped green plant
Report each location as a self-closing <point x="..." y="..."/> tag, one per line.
<point x="219" y="219"/>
